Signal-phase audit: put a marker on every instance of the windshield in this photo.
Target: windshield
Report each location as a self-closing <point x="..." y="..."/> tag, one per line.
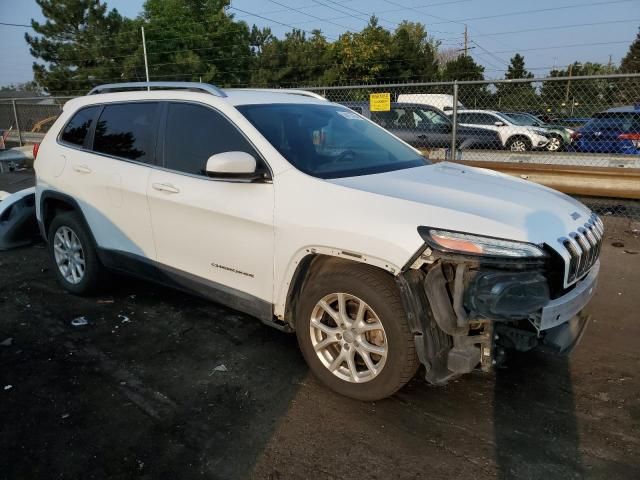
<point x="623" y="121"/>
<point x="330" y="141"/>
<point x="524" y="119"/>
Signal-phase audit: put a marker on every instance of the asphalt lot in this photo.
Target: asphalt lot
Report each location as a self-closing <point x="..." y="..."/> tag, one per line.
<point x="141" y="392"/>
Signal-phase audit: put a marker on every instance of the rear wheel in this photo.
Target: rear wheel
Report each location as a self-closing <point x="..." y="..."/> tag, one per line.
<point x="353" y="332"/>
<point x="519" y="144"/>
<point x="76" y="264"/>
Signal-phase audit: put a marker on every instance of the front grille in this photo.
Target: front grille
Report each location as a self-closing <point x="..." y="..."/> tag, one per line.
<point x="584" y="248"/>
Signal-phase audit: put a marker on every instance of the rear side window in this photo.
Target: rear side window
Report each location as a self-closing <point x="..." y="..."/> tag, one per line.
<point x="78" y="127"/>
<point x="194" y="133"/>
<point x="126" y="130"/>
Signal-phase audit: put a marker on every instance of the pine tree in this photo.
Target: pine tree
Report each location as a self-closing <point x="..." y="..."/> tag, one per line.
<point x="631" y="62"/>
<point x="517" y="96"/>
<point x="78" y="42"/>
<point x="464" y="68"/>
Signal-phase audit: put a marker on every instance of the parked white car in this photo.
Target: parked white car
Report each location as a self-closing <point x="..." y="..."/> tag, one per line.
<point x="308" y="216"/>
<point x="516" y="138"/>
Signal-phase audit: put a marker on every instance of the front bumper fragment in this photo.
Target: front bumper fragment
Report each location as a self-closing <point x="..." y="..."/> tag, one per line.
<point x="565" y="308"/>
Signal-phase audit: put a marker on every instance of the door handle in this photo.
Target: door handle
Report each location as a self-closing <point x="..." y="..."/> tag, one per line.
<point x="81" y="169"/>
<point x="166" y="187"/>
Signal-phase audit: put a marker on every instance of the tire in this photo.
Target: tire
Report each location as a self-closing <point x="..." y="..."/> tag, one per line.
<point x="556" y="144"/>
<point x="70" y="224"/>
<point x="519" y="144"/>
<point x="377" y="290"/>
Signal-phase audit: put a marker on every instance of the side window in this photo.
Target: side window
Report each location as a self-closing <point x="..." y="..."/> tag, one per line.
<point x="126" y="130"/>
<point x="194" y="133"/>
<point x="404" y="118"/>
<point x="486" y="119"/>
<point x="78" y="127"/>
<point x="384" y="119"/>
<point x="464" y="118"/>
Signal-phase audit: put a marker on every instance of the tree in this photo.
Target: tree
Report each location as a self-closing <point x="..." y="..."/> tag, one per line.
<point x="517" y="96"/>
<point x="361" y="57"/>
<point x="464" y="68"/>
<point x="579" y="97"/>
<point x="631" y="61"/>
<point x="629" y="89"/>
<point x="412" y="54"/>
<point x="296" y="60"/>
<point x="77" y="41"/>
<point x="194" y="40"/>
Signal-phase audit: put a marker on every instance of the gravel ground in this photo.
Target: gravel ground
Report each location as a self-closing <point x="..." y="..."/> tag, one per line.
<point x="159" y="384"/>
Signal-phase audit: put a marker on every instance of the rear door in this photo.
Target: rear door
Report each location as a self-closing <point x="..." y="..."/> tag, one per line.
<point x="107" y="165"/>
<point x="125" y="140"/>
<point x="219" y="231"/>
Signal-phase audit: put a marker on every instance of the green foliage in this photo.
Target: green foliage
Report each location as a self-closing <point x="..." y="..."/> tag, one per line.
<point x="194" y="40"/>
<point x="76" y="42"/>
<point x="464" y="68"/>
<point x="82" y="43"/>
<point x="295" y="60"/>
<point x="631" y="62"/>
<point x="579" y="97"/>
<point x="516" y="96"/>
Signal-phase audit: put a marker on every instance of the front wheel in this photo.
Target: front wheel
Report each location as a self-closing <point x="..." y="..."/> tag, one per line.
<point x="555" y="143"/>
<point x="353" y="332"/>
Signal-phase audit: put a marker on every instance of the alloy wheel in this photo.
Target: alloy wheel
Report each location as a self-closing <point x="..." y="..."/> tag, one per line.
<point x="518" y="146"/>
<point x="348" y="337"/>
<point x="554" y="144"/>
<point x="69" y="255"/>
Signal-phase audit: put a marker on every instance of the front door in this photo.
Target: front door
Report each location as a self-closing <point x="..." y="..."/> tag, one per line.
<point x="218" y="231"/>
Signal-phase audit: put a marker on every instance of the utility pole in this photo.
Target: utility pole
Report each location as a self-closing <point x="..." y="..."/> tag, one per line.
<point x="146" y="64"/>
<point x="566" y="95"/>
<point x="466" y="40"/>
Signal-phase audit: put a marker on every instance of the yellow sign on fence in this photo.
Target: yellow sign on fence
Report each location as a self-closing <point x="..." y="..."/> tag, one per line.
<point x="380" y="102"/>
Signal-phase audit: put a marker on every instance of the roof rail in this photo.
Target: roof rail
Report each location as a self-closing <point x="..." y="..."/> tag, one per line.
<point x="292" y="91"/>
<point x="125" y="86"/>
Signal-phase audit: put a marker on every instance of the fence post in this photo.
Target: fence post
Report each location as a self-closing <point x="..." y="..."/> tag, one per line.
<point x="15" y="117"/>
<point x="454" y="121"/>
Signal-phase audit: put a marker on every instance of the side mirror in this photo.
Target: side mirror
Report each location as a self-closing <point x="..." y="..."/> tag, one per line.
<point x="240" y="165"/>
<point x="499" y="124"/>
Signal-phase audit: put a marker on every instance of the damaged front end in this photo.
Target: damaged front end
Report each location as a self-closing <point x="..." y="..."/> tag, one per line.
<point x="468" y="308"/>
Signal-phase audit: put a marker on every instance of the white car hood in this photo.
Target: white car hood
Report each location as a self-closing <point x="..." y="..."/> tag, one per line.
<point x="477" y="200"/>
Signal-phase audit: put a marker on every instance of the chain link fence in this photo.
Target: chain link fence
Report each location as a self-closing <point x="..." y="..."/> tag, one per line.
<point x="580" y="135"/>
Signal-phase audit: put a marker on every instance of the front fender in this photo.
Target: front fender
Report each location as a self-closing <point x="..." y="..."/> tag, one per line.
<point x="290" y="273"/>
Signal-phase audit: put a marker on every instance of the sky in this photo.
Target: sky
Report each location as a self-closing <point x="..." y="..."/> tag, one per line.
<point x="587" y="30"/>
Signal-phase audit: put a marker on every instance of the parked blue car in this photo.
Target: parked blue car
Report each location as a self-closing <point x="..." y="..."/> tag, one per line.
<point x="615" y="131"/>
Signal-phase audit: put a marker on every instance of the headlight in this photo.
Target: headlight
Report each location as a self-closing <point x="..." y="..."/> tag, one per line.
<point x="478" y="245"/>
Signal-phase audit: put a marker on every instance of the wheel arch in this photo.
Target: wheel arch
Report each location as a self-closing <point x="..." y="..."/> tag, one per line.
<point x="518" y="136"/>
<point x="51" y="204"/>
<point x="312" y="261"/>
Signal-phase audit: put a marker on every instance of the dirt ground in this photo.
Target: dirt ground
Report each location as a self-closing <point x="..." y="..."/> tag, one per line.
<point x="159" y="384"/>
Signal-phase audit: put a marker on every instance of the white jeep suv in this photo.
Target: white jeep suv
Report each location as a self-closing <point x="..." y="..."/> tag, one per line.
<point x="313" y="219"/>
<point x="517" y="138"/>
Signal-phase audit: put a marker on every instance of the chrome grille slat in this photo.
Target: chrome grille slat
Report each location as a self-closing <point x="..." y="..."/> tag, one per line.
<point x="583" y="247"/>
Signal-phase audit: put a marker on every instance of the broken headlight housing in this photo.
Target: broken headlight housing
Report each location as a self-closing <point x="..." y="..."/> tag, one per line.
<point x="469" y="244"/>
